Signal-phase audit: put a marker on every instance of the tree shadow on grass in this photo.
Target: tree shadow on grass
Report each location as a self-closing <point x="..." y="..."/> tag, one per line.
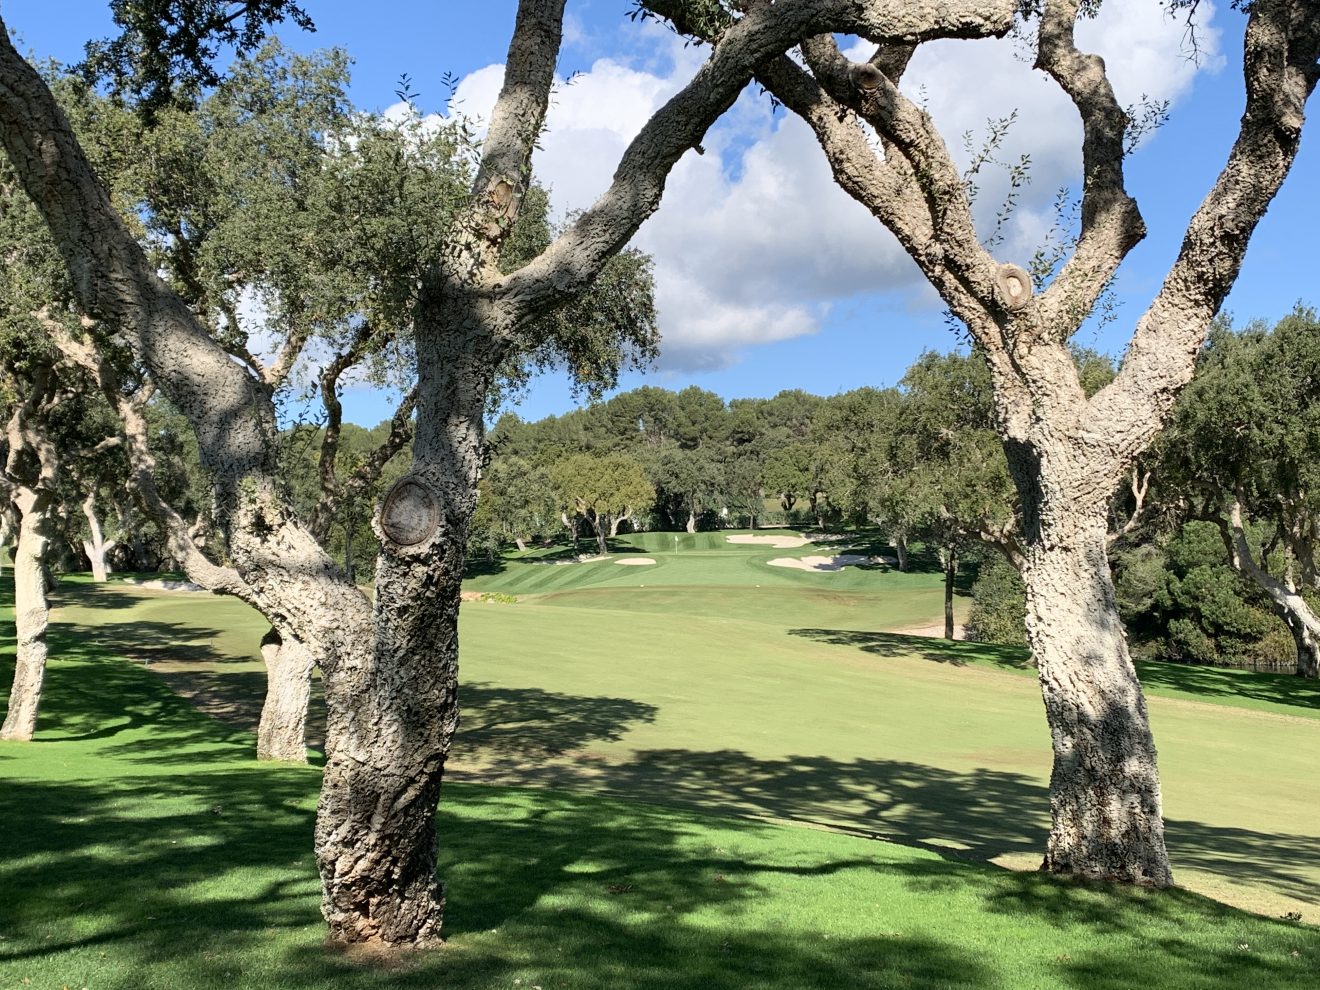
<point x="956" y="653"/>
<point x="1219" y="682"/>
<point x="189" y="876"/>
<point x="625" y="879"/>
<point x="97" y="595"/>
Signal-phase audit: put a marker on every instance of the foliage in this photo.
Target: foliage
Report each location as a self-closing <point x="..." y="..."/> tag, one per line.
<point x="1182" y="602"/>
<point x="601" y="489"/>
<point x="999" y="604"/>
<point x="166" y="50"/>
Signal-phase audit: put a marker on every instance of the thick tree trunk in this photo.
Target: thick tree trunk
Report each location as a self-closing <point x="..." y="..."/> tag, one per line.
<point x="393" y="714"/>
<point x="901" y="548"/>
<point x="520" y="543"/>
<point x="282" y="732"/>
<point x="1104" y="789"/>
<point x="601" y="531"/>
<point x="691" y="526"/>
<point x="1308" y="647"/>
<point x="31" y="615"/>
<point x="950" y="576"/>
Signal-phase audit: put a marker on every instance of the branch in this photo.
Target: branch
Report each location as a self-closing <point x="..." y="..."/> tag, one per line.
<point x="1280" y="53"/>
<point x="1288" y="603"/>
<point x="1140" y="485"/>
<point x="1111" y="224"/>
<point x="142" y="468"/>
<point x="234" y="420"/>
<point x="765" y="31"/>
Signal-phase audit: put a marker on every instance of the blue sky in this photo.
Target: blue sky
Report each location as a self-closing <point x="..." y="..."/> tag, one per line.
<point x="768" y="277"/>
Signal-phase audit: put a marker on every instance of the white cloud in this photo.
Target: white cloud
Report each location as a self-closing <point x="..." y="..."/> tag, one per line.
<point x="753" y="239"/>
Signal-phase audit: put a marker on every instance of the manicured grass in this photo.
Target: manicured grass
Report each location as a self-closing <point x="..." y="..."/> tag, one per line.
<point x="784" y="711"/>
<point x="144" y="849"/>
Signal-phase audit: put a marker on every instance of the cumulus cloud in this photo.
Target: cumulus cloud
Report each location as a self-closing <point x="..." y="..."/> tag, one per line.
<point x="754" y="240"/>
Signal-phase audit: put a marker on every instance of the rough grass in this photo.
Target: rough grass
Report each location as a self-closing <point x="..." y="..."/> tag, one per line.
<point x="144" y="849"/>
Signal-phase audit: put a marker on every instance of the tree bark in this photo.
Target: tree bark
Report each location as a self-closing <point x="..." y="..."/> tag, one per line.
<point x="1104" y="788"/>
<point x="950" y="575"/>
<point x="520" y="543"/>
<point x="1308" y="646"/>
<point x="31" y="614"/>
<point x="1288" y="603"/>
<point x="98" y="546"/>
<point x="282" y="732"/>
<point x="392" y="716"/>
<point x="901" y="548"/>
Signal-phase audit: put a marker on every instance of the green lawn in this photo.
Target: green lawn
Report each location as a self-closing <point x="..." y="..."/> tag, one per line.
<point x="144" y="847"/>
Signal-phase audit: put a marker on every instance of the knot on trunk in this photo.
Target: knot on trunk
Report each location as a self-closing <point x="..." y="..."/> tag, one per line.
<point x="410" y="513"/>
<point x="866" y="77"/>
<point x="1015" y="286"/>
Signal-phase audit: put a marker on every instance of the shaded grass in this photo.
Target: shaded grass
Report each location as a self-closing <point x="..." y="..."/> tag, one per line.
<point x="740" y="715"/>
<point x="145" y="850"/>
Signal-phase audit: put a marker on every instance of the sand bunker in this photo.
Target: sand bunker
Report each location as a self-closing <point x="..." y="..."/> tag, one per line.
<point x="781" y="542"/>
<point x="822" y="565"/>
<point x="571" y="560"/>
<point x="635" y="561"/>
<point x="934" y="631"/>
<point x="165" y="585"/>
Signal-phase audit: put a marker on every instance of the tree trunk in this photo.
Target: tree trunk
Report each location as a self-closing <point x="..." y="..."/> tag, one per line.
<point x="349" y="569"/>
<point x="9" y="522"/>
<point x="601" y="530"/>
<point x="691" y="526"/>
<point x="1287" y="602"/>
<point x="392" y="714"/>
<point x="31" y="614"/>
<point x="950" y="575"/>
<point x="1308" y="647"/>
<point x="1104" y="789"/>
<point x="816" y="511"/>
<point x="901" y="548"/>
<point x="97" y="547"/>
<point x="282" y="733"/>
<point x="520" y="543"/>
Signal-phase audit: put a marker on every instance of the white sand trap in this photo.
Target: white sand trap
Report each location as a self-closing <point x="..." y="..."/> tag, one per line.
<point x="821" y="565"/>
<point x="165" y="585"/>
<point x="635" y="561"/>
<point x="933" y="631"/>
<point x="778" y="542"/>
<point x="571" y="560"/>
